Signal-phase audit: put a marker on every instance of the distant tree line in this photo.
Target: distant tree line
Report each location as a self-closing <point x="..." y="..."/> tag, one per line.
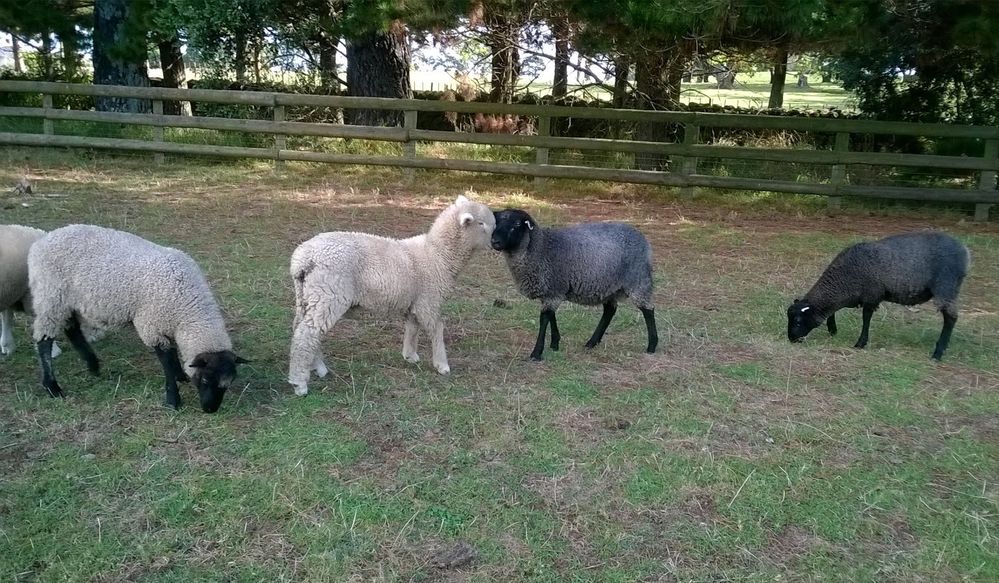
<point x="920" y="60"/>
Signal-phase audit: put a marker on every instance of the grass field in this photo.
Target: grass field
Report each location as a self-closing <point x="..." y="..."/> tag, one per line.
<point x="729" y="455"/>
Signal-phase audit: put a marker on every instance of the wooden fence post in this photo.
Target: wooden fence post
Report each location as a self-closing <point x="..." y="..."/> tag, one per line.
<point x="688" y="164"/>
<point x="280" y="140"/>
<point x="541" y="154"/>
<point x="158" y="157"/>
<point x="409" y="123"/>
<point x="47" y="127"/>
<point x="838" y="175"/>
<point x="987" y="180"/>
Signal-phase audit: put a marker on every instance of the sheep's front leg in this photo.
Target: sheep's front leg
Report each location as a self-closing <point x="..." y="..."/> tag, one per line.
<point x="410" y="339"/>
<point x="171" y="371"/>
<point x="433" y="324"/>
<point x="831" y="323"/>
<point x="547" y="316"/>
<point x="866" y="329"/>
<point x="48" y="374"/>
<point x="6" y="334"/>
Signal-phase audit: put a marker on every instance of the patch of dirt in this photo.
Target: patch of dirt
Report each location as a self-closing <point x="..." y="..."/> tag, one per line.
<point x="454" y="556"/>
<point x="790" y="544"/>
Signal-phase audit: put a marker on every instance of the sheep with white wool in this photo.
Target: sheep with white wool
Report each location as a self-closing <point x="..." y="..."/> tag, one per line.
<point x="15" y="241"/>
<point x="84" y="277"/>
<point x="339" y="274"/>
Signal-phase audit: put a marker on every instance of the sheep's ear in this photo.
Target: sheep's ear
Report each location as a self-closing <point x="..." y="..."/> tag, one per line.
<point x="462" y="199"/>
<point x="241" y="360"/>
<point x="199" y="362"/>
<point x="465" y="219"/>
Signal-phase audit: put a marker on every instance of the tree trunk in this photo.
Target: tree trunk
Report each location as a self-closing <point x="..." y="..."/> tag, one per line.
<point x="560" y="28"/>
<point x="15" y="49"/>
<point x="45" y="57"/>
<point x="116" y="61"/>
<point x="70" y="57"/>
<point x="174" y="74"/>
<point x="239" y="63"/>
<point x="503" y="39"/>
<point x="622" y="67"/>
<point x="328" y="78"/>
<point x="256" y="60"/>
<point x="378" y="66"/>
<point x="657" y="80"/>
<point x="778" y="78"/>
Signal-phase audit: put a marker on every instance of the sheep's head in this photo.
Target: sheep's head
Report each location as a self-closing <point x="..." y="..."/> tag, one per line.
<point x="802" y="318"/>
<point x="475" y="221"/>
<point x="512" y="226"/>
<point x="213" y="374"/>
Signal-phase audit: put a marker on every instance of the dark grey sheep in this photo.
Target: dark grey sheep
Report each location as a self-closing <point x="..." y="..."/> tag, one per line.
<point x="906" y="269"/>
<point x="588" y="264"/>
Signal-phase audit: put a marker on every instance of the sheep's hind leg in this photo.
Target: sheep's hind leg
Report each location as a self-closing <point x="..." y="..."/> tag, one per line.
<point x="949" y="320"/>
<point x="866" y="329"/>
<point x="172" y="371"/>
<point x="556" y="335"/>
<point x="306" y="343"/>
<point x="48" y="374"/>
<point x="83" y="348"/>
<point x="650" y="326"/>
<point x="411" y="339"/>
<point x="610" y="308"/>
<point x="6" y="334"/>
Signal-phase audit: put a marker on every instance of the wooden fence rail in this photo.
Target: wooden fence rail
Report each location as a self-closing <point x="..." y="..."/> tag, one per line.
<point x="686" y="153"/>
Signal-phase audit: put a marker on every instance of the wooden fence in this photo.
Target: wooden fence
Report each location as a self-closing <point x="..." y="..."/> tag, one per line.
<point x="685" y="154"/>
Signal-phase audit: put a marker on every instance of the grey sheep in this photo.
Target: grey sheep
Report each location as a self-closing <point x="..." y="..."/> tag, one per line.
<point x="86" y="279"/>
<point x="905" y="269"/>
<point x="588" y="264"/>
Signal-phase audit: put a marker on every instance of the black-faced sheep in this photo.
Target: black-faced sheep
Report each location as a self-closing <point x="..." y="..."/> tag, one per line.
<point x="89" y="278"/>
<point x="906" y="269"/>
<point x="339" y="274"/>
<point x="588" y="264"/>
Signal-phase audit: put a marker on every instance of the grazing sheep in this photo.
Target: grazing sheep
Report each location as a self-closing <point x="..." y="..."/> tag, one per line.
<point x="587" y="264"/>
<point x="15" y="241"/>
<point x="85" y="277"/>
<point x="906" y="269"/>
<point x="338" y="274"/>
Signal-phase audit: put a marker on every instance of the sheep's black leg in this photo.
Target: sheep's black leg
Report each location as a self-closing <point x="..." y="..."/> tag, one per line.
<point x="539" y="346"/>
<point x="171" y="368"/>
<point x="610" y="308"/>
<point x="944" y="340"/>
<point x="831" y="323"/>
<point x="83" y="348"/>
<point x="48" y="375"/>
<point x="556" y="337"/>
<point x="865" y="331"/>
<point x="650" y="324"/>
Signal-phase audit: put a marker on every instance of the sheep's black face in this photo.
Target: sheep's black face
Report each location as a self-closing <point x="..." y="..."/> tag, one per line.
<point x="512" y="225"/>
<point x="214" y="373"/>
<point x="801" y="319"/>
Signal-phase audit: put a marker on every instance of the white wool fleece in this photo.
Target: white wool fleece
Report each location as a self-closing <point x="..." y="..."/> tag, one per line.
<point x="15" y="241"/>
<point x="110" y="278"/>
<point x="338" y="274"/>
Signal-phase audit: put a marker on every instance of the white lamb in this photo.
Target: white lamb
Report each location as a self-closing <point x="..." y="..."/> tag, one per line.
<point x="15" y="241"/>
<point x="85" y="277"/>
<point x="337" y="274"/>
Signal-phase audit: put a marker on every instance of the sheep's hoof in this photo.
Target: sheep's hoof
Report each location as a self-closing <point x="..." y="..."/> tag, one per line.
<point x="413" y="358"/>
<point x="590" y="345"/>
<point x="937" y="356"/>
<point x="175" y="405"/>
<point x="537" y="357"/>
<point x="7" y="349"/>
<point x="301" y="390"/>
<point x="94" y="367"/>
<point x="860" y="345"/>
<point x="321" y="369"/>
<point x="443" y="369"/>
<point x="55" y="390"/>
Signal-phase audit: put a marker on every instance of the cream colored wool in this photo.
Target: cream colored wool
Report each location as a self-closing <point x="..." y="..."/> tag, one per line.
<point x="15" y="241"/>
<point x="110" y="279"/>
<point x="338" y="274"/>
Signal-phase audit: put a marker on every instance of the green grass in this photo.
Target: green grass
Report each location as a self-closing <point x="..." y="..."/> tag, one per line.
<point x="729" y="455"/>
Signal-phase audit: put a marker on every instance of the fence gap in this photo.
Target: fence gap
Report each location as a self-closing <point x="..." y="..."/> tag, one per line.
<point x="409" y="123"/>
<point x="280" y="140"/>
<point x="47" y="126"/>
<point x="688" y="164"/>
<point x="987" y="179"/>
<point x="541" y="154"/>
<point x="838" y="174"/>
<point x="158" y="157"/>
